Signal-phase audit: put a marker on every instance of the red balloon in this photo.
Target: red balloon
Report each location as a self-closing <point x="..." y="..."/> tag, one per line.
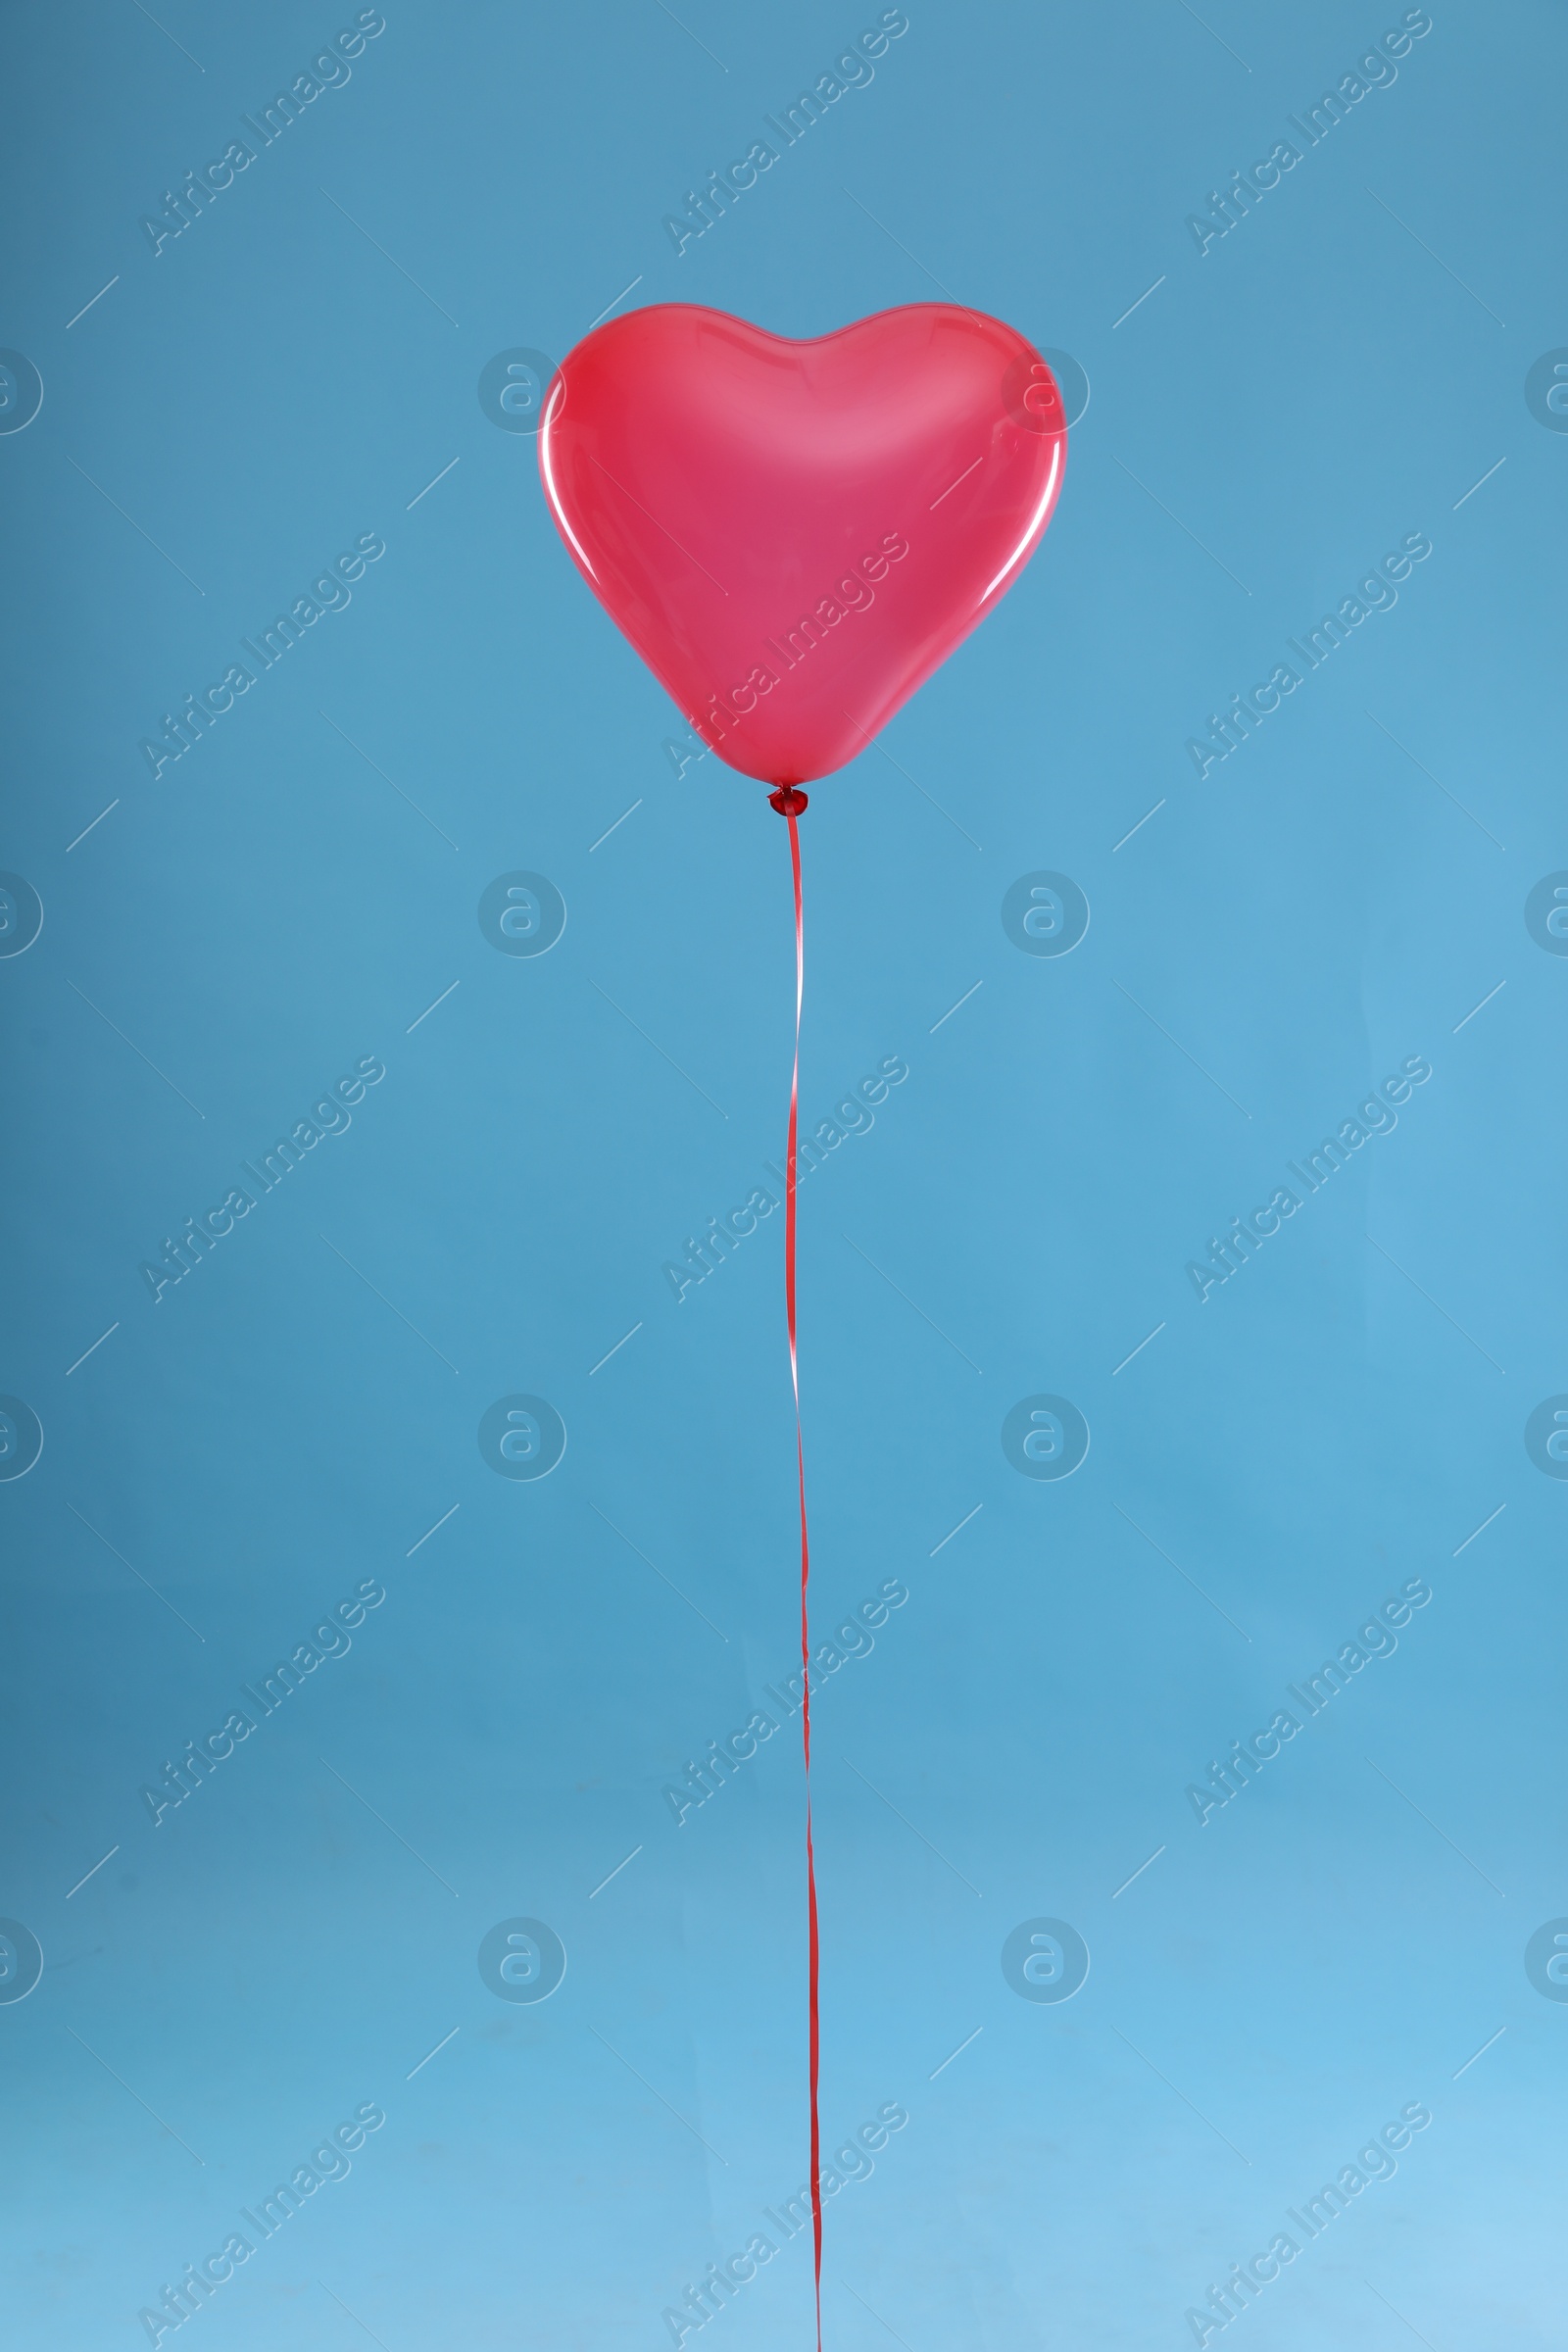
<point x="794" y="535"/>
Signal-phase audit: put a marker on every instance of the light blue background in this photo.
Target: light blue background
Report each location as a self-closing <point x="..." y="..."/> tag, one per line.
<point x="1279" y="1983"/>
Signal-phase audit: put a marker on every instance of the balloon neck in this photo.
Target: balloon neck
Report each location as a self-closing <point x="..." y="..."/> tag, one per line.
<point x="788" y="800"/>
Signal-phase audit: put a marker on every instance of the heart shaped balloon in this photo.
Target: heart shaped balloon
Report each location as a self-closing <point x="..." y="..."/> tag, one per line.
<point x="794" y="535"/>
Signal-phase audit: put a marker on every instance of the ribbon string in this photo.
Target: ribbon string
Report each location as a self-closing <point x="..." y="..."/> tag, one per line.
<point x="790" y="802"/>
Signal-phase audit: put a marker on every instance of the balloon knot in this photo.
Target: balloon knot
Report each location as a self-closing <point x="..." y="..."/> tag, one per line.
<point x="788" y="800"/>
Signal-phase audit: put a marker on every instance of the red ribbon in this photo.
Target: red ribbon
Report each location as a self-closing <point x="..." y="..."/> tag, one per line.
<point x="790" y="802"/>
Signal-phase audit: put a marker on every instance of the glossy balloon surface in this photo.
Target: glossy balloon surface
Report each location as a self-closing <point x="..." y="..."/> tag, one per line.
<point x="794" y="534"/>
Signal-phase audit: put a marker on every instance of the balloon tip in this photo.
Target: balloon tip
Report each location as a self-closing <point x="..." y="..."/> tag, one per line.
<point x="788" y="800"/>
